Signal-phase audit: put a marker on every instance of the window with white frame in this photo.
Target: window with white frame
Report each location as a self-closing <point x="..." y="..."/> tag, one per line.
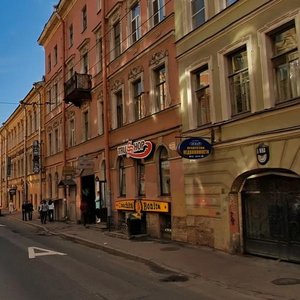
<point x="138" y="100"/>
<point x="201" y="95"/>
<point x="157" y="12"/>
<point x="84" y="18"/>
<point x="135" y="23"/>
<point x="238" y="78"/>
<point x="160" y="88"/>
<point x="71" y="132"/>
<point x="122" y="178"/>
<point x="285" y="62"/>
<point x="116" y="40"/>
<point x="85" y="128"/>
<point x="197" y="12"/>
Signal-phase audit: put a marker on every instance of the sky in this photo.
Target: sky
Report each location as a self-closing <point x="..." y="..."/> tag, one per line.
<point x="21" y="57"/>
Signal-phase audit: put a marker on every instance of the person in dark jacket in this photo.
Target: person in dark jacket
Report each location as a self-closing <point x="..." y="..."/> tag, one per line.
<point x="29" y="210"/>
<point x="84" y="212"/>
<point x="24" y="211"/>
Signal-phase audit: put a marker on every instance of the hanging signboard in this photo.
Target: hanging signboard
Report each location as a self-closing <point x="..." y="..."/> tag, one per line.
<point x="194" y="148"/>
<point x="139" y="149"/>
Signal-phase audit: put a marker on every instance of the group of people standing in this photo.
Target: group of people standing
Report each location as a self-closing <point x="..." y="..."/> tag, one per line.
<point x="27" y="209"/>
<point x="46" y="209"/>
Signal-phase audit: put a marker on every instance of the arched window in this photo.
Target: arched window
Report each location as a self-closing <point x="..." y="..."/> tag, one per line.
<point x="164" y="172"/>
<point x="122" y="178"/>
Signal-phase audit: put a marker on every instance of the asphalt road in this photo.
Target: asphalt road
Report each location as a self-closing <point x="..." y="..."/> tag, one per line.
<point x="37" y="265"/>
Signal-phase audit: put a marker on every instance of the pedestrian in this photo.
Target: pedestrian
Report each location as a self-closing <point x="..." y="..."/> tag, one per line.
<point x="11" y="207"/>
<point x="24" y="211"/>
<point x="44" y="212"/>
<point x="29" y="210"/>
<point x="51" y="210"/>
<point x="98" y="207"/>
<point x="84" y="212"/>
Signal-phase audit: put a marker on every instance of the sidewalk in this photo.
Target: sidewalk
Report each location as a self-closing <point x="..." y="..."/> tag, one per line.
<point x="267" y="278"/>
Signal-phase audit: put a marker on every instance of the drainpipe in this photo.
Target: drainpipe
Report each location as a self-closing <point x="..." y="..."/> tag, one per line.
<point x="63" y="100"/>
<point x="106" y="119"/>
<point x="64" y="80"/>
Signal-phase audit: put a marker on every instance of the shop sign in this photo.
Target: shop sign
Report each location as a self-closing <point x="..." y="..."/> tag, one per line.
<point x="142" y="205"/>
<point x="262" y="154"/>
<point x="194" y="148"/>
<point x="139" y="149"/>
<point x="155" y="206"/>
<point x="125" y="205"/>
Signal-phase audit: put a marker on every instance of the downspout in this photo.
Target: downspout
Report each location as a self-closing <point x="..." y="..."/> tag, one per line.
<point x="64" y="80"/>
<point x="63" y="106"/>
<point x="106" y="119"/>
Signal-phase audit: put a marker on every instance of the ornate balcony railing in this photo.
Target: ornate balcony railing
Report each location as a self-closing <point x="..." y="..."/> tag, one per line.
<point x="78" y="89"/>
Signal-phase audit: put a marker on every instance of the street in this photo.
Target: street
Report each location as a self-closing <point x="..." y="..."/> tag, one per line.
<point x="38" y="265"/>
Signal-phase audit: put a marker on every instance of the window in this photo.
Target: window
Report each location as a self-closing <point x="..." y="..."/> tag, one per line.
<point x="201" y="95"/>
<point x="49" y="63"/>
<point x="197" y="13"/>
<point x="229" y="2"/>
<point x="122" y="178"/>
<point x="99" y="55"/>
<point x="157" y="11"/>
<point x="50" y="185"/>
<point x="160" y="88"/>
<point x="139" y="107"/>
<point x="55" y="95"/>
<point x="119" y="100"/>
<point x="84" y="18"/>
<point x="239" y="81"/>
<point x="285" y="62"/>
<point x="85" y="126"/>
<point x="55" y="55"/>
<point x="98" y="2"/>
<point x="85" y="63"/>
<point x="71" y="35"/>
<point x="140" y="177"/>
<point x="50" y="143"/>
<point x="56" y="141"/>
<point x="100" y="117"/>
<point x="135" y="23"/>
<point x="117" y="40"/>
<point x="71" y="133"/>
<point x="164" y="172"/>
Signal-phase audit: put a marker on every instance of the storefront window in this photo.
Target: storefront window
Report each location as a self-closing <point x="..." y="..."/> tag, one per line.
<point x="122" y="178"/>
<point x="141" y="178"/>
<point x="164" y="172"/>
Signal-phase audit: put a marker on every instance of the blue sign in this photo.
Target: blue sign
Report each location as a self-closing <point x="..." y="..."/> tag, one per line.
<point x="194" y="148"/>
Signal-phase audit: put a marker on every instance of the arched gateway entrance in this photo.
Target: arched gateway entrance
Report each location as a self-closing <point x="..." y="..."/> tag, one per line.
<point x="271" y="216"/>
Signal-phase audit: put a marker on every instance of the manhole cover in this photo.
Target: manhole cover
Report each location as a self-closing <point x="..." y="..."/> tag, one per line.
<point x="169" y="249"/>
<point x="286" y="281"/>
<point x="175" y="278"/>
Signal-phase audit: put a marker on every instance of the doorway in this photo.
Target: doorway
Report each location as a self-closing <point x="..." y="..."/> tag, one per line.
<point x="271" y="216"/>
<point x="88" y="196"/>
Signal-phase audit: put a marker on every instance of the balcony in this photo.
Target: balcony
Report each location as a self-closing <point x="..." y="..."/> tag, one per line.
<point x="78" y="89"/>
